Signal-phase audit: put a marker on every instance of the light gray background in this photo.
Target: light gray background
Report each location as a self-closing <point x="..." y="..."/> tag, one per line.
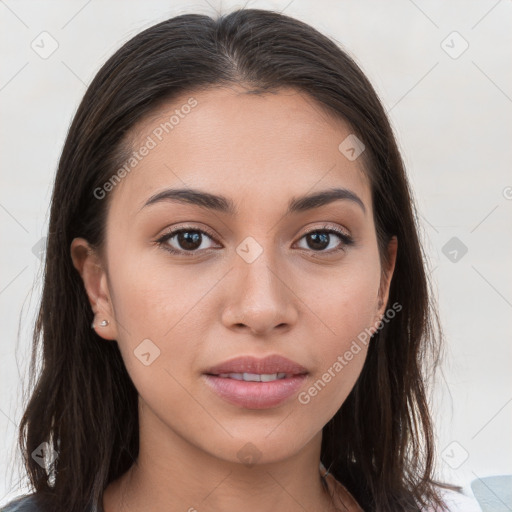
<point x="452" y="115"/>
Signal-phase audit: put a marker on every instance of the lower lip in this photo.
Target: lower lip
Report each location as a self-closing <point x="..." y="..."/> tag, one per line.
<point x="255" y="395"/>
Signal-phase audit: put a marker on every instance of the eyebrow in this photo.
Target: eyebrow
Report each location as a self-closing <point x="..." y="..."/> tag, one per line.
<point x="225" y="205"/>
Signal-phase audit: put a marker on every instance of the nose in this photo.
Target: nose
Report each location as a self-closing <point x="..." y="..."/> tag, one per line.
<point x="259" y="299"/>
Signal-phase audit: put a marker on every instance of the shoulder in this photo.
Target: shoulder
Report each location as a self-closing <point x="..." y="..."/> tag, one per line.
<point x="459" y="502"/>
<point x="26" y="503"/>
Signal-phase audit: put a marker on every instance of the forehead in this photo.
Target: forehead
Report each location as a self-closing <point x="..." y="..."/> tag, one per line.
<point x="259" y="149"/>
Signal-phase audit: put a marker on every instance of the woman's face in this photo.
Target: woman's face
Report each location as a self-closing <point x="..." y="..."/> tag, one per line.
<point x="245" y="279"/>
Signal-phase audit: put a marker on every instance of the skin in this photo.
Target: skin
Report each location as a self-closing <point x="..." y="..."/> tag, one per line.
<point x="293" y="300"/>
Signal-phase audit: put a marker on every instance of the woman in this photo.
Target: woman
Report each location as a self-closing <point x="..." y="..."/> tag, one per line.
<point x="232" y="217"/>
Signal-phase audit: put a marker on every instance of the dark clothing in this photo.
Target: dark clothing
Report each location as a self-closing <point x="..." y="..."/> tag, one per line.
<point x="27" y="503"/>
<point x="21" y="504"/>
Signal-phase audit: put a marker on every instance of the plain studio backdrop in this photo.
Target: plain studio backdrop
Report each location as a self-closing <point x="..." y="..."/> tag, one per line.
<point x="443" y="71"/>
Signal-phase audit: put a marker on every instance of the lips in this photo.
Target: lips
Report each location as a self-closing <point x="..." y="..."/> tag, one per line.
<point x="252" y="383"/>
<point x="270" y="365"/>
<point x="256" y="377"/>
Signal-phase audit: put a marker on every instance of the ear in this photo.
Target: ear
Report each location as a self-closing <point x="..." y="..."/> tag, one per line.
<point x="386" y="275"/>
<point x="89" y="265"/>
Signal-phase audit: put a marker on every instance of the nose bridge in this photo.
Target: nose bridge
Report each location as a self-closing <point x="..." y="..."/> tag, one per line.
<point x="259" y="299"/>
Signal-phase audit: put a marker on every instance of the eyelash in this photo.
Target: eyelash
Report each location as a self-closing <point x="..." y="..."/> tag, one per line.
<point x="346" y="239"/>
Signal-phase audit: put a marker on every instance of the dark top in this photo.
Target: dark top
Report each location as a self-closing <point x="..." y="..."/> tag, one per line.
<point x="27" y="503"/>
<point x="21" y="504"/>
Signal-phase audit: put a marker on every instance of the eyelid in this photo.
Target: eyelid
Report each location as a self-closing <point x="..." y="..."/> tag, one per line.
<point x="328" y="227"/>
<point x="176" y="229"/>
<point x="169" y="233"/>
<point x="346" y="238"/>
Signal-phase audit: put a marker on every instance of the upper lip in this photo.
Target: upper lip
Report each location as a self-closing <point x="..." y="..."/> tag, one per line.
<point x="267" y="365"/>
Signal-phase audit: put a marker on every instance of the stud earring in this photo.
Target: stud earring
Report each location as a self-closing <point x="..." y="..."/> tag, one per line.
<point x="103" y="323"/>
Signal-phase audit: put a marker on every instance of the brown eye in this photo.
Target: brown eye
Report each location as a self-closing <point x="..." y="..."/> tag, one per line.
<point x="326" y="240"/>
<point x="318" y="240"/>
<point x="185" y="240"/>
<point x="188" y="240"/>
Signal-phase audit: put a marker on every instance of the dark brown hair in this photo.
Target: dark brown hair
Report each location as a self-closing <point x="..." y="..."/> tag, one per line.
<point x="380" y="442"/>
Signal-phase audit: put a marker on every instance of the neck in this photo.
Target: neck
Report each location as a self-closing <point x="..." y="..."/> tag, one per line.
<point x="174" y="475"/>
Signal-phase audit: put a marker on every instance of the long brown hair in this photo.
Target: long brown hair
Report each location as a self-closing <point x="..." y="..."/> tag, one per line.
<point x="84" y="404"/>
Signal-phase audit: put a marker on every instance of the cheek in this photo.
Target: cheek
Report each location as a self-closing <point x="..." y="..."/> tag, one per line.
<point x="154" y="297"/>
<point x="170" y="305"/>
<point x="345" y="299"/>
<point x="160" y="318"/>
<point x="345" y="308"/>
